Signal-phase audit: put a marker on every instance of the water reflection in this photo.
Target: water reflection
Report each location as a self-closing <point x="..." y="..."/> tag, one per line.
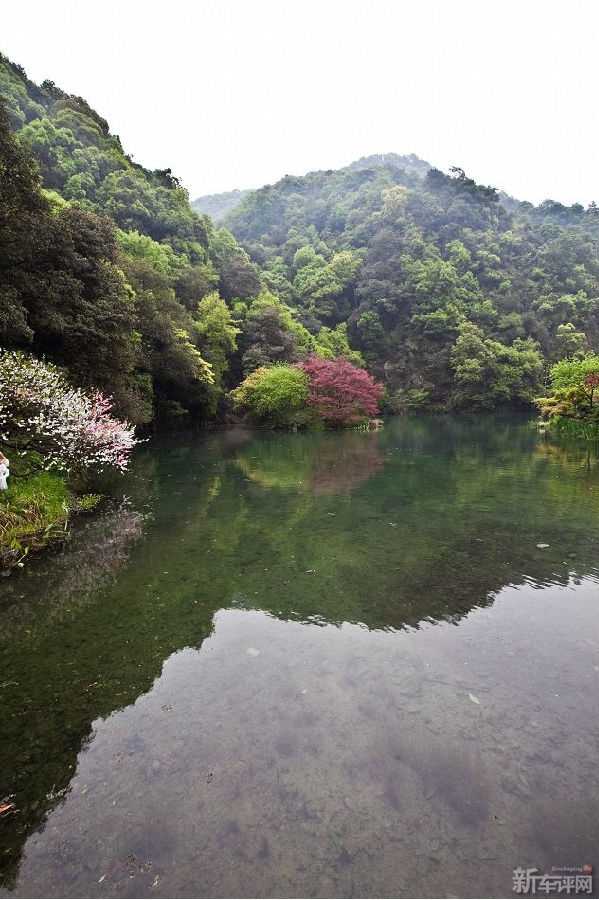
<point x="426" y="521"/>
<point x="329" y="464"/>
<point x="98" y="548"/>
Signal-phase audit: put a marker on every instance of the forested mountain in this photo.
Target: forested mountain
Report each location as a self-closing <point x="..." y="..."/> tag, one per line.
<point x="104" y="267"/>
<point x="451" y="293"/>
<point x="218" y="205"/>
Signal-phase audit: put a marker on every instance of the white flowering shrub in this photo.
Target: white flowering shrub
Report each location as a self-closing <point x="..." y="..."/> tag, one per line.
<point x="40" y="411"/>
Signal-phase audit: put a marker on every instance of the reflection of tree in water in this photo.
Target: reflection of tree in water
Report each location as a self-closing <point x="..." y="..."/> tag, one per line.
<point x="91" y="559"/>
<point x="569" y="453"/>
<point x="339" y="469"/>
<point x="335" y="465"/>
<point x="101" y="548"/>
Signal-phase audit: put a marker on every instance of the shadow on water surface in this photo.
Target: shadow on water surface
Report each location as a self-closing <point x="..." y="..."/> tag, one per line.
<point x="371" y="537"/>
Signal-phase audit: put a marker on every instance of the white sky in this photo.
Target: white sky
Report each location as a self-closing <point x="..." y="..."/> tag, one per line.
<point x="238" y="93"/>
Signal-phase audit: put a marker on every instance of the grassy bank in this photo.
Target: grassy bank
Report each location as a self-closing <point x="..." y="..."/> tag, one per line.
<point x="35" y="511"/>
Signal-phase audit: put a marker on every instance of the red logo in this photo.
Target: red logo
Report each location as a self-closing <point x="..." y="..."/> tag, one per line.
<point x="587" y="869"/>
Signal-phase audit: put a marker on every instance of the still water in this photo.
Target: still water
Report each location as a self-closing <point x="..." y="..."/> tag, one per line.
<point x="335" y="665"/>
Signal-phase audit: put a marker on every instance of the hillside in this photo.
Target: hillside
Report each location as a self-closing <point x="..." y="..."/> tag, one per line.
<point x="217" y="206"/>
<point x="452" y="293"/>
<point x="104" y="264"/>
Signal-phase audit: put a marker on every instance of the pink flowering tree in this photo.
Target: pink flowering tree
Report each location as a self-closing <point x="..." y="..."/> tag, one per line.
<point x="342" y="393"/>
<point x="72" y="430"/>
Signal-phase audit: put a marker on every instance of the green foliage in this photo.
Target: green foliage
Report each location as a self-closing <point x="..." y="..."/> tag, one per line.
<point x="407" y="261"/>
<point x="238" y="276"/>
<point x="215" y="324"/>
<point x="176" y="372"/>
<point x="32" y="511"/>
<point x="141" y="246"/>
<point x="81" y="313"/>
<point x="572" y="372"/>
<point x="275" y="396"/>
<point x="267" y="339"/>
<point x="134" y="200"/>
<point x="118" y="307"/>
<point x="452" y="294"/>
<point x="20" y="106"/>
<point x="488" y="373"/>
<point x="88" y="502"/>
<point x="569" y="341"/>
<point x="585" y="429"/>
<point x="193" y="283"/>
<point x="572" y="409"/>
<point x="333" y="342"/>
<point x="287" y="316"/>
<point x="218" y="340"/>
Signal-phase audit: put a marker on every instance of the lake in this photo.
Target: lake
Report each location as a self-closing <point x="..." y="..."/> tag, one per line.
<point x="310" y="665"/>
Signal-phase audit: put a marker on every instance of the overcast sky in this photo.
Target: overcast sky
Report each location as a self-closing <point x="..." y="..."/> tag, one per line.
<point x="237" y="93"/>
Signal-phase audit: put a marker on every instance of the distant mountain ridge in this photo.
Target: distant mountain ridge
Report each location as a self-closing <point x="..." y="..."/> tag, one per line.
<point x="409" y="163"/>
<point x="218" y="206"/>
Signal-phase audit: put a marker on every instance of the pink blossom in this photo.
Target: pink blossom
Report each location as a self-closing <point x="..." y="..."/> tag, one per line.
<point x="69" y="427"/>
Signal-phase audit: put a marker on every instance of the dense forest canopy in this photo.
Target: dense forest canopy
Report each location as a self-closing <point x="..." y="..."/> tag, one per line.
<point x="451" y="293"/>
<point x="105" y="267"/>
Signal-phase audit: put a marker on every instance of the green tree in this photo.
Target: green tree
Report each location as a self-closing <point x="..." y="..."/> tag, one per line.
<point x="24" y="213"/>
<point x="333" y="343"/>
<point x="572" y="407"/>
<point x="238" y="275"/>
<point x="53" y="148"/>
<point x="569" y="341"/>
<point x="170" y="364"/>
<point x="572" y="372"/>
<point x="274" y="395"/>
<point x="266" y="339"/>
<point x="218" y="339"/>
<point x="193" y="283"/>
<point x="141" y="246"/>
<point x="488" y="373"/>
